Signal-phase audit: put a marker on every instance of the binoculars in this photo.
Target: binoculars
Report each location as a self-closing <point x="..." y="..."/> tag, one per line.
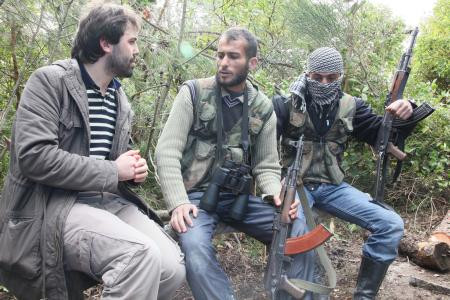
<point x="233" y="177"/>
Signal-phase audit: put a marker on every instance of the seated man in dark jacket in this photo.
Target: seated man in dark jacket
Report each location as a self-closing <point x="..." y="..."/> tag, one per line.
<point x="66" y="208"/>
<point x="326" y="116"/>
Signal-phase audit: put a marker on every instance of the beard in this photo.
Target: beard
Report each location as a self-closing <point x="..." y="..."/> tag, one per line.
<point x="235" y="80"/>
<point x="119" y="64"/>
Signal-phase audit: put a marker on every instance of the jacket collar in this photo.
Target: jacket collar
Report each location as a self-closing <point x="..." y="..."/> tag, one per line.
<point x="74" y="83"/>
<point x="252" y="91"/>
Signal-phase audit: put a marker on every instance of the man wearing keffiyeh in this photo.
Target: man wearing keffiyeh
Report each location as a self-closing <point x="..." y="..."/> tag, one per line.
<point x="318" y="108"/>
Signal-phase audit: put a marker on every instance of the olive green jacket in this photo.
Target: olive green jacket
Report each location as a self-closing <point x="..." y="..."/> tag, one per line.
<point x="183" y="156"/>
<point x="321" y="154"/>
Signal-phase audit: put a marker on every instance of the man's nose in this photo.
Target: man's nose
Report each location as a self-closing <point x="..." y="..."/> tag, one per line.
<point x="325" y="80"/>
<point x="224" y="61"/>
<point x="136" y="50"/>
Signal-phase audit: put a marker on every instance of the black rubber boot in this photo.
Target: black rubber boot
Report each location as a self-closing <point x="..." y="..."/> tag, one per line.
<point x="370" y="277"/>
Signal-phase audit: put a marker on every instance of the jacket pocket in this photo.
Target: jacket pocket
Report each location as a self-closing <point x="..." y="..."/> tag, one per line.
<point x="201" y="163"/>
<point x="20" y="228"/>
<point x="332" y="158"/>
<point x="297" y="119"/>
<point x="70" y="126"/>
<point x="20" y="247"/>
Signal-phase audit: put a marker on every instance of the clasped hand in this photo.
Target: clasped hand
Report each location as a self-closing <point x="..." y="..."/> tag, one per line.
<point x="131" y="166"/>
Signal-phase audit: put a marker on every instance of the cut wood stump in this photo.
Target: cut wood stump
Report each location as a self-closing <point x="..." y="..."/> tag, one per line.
<point x="433" y="253"/>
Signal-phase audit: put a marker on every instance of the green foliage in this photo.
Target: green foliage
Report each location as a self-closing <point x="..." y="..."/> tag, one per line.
<point x="432" y="50"/>
<point x="368" y="36"/>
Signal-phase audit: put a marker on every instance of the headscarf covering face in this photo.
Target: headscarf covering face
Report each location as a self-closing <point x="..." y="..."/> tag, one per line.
<point x="324" y="60"/>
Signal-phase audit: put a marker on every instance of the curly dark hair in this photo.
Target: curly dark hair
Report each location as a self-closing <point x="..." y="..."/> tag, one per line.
<point x="106" y="21"/>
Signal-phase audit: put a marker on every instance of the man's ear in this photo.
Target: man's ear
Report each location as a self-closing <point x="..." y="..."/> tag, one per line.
<point x="105" y="45"/>
<point x="253" y="63"/>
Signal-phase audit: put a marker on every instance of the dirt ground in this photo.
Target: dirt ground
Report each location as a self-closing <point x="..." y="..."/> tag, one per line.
<point x="244" y="261"/>
<point x="246" y="267"/>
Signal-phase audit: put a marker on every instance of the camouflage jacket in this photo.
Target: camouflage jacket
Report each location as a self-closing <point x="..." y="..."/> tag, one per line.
<point x="196" y="127"/>
<point x="322" y="153"/>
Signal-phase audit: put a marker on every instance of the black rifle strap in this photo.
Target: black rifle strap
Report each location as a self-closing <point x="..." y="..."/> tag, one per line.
<point x="280" y="106"/>
<point x="244" y="127"/>
<point x="191" y="84"/>
<point x="404" y="128"/>
<point x="219" y="122"/>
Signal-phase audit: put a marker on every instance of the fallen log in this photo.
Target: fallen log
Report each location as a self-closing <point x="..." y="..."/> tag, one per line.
<point x="433" y="253"/>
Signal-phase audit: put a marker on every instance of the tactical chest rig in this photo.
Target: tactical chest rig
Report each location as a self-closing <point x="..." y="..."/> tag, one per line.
<point x="215" y="160"/>
<point x="321" y="154"/>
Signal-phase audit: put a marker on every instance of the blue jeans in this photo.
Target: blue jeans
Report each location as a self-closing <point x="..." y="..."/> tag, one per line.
<point x="206" y="278"/>
<point x="354" y="206"/>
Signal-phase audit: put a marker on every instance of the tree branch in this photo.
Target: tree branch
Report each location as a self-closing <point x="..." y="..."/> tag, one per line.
<point x="3" y="117"/>
<point x="200" y="52"/>
<point x="60" y="29"/>
<point x="155" y="26"/>
<point x="183" y="21"/>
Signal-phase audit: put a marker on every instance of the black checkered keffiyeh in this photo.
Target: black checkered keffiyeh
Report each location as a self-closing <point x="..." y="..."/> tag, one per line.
<point x="325" y="60"/>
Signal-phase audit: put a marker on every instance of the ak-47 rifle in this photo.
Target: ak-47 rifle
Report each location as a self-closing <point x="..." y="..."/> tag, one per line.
<point x="275" y="277"/>
<point x="390" y="141"/>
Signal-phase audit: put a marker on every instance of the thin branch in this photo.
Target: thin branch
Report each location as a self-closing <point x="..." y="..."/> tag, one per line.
<point x="252" y="79"/>
<point x="146" y="89"/>
<point x="272" y="13"/>
<point x="203" y="32"/>
<point x="367" y="81"/>
<point x="19" y="80"/>
<point x="208" y="56"/>
<point x="162" y="12"/>
<point x="158" y="105"/>
<point x="60" y="29"/>
<point x="156" y="26"/>
<point x="14" y="33"/>
<point x="275" y="63"/>
<point x="161" y="100"/>
<point x="183" y="21"/>
<point x="200" y="52"/>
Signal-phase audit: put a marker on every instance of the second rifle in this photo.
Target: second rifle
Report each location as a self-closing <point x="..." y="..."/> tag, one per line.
<point x="282" y="247"/>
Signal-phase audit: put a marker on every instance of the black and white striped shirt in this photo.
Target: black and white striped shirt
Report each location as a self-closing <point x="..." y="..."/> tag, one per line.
<point x="102" y="116"/>
<point x="102" y="121"/>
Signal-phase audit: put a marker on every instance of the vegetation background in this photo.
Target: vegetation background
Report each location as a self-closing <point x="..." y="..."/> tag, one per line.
<point x="178" y="42"/>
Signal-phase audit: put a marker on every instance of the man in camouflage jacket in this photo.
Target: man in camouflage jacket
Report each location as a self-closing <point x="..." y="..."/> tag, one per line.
<point x="187" y="155"/>
<point x="326" y="116"/>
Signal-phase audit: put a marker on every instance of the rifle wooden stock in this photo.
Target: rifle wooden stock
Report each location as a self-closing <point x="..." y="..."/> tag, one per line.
<point x="307" y="242"/>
